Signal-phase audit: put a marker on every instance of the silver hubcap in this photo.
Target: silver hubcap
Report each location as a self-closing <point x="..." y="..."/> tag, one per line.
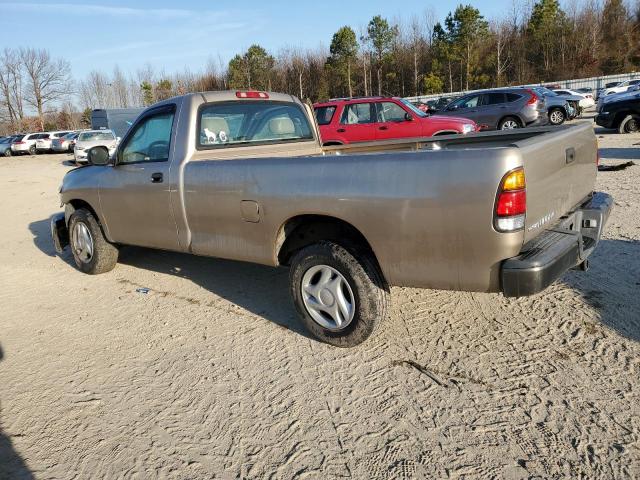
<point x="82" y="242"/>
<point x="328" y="297"/>
<point x="509" y="125"/>
<point x="556" y="117"/>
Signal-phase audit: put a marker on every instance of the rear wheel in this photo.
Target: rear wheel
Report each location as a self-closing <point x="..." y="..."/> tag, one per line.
<point x="557" y="116"/>
<point x="32" y="150"/>
<point x="630" y="124"/>
<point x="509" y="123"/>
<point x="341" y="295"/>
<point x="92" y="252"/>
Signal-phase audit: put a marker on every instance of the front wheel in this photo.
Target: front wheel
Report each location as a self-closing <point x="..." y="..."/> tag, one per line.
<point x="509" y="123"/>
<point x="92" y="252"/>
<point x="341" y="295"/>
<point x="557" y="116"/>
<point x="7" y="152"/>
<point x="32" y="150"/>
<point x="629" y="124"/>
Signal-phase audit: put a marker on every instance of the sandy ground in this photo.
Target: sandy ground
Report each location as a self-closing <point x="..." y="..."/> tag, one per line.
<point x="210" y="376"/>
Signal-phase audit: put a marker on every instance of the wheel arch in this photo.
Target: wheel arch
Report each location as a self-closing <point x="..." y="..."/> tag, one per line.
<point x="76" y="204"/>
<point x="445" y="132"/>
<point x="302" y="230"/>
<point x="511" y="115"/>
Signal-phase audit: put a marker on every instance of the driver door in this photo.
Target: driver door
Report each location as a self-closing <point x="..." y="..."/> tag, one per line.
<point x="135" y="193"/>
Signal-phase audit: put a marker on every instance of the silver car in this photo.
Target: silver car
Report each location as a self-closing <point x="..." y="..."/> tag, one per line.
<point x="93" y="138"/>
<point x="65" y="144"/>
<point x="504" y="109"/>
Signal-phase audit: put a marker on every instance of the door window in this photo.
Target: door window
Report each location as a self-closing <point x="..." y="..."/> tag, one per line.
<point x="390" y="112"/>
<point x="492" y="98"/>
<point x="357" y="113"/>
<point x="467" y="102"/>
<point x="150" y="140"/>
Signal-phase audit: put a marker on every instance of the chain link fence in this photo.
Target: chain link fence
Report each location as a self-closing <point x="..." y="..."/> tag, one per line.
<point x="592" y="82"/>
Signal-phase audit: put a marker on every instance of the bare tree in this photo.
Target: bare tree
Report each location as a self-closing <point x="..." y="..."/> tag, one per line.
<point x="11" y="86"/>
<point x="48" y="80"/>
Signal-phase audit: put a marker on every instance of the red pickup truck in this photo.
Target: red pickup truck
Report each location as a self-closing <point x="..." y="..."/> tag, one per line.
<point x="345" y="121"/>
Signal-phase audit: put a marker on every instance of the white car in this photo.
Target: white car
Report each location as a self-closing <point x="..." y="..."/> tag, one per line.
<point x="587" y="101"/>
<point x="94" y="138"/>
<point x="622" y="87"/>
<point x="44" y="144"/>
<point x="27" y="144"/>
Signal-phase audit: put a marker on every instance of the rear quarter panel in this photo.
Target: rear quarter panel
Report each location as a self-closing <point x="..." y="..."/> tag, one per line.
<point x="428" y="215"/>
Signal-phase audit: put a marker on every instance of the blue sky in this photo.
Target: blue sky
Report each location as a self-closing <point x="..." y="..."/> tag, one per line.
<point x="169" y="35"/>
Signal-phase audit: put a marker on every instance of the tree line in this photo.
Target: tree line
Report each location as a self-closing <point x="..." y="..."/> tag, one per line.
<point x="530" y="43"/>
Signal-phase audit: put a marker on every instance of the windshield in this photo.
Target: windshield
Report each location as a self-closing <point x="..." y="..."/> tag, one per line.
<point x="413" y="108"/>
<point x="6" y="140"/>
<point x="90" y="136"/>
<point x="70" y="136"/>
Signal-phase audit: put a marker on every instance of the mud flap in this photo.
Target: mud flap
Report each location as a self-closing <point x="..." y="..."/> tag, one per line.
<point x="59" y="232"/>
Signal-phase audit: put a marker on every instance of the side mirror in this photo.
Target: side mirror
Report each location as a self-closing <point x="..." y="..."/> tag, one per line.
<point x="408" y="117"/>
<point x="98" y="156"/>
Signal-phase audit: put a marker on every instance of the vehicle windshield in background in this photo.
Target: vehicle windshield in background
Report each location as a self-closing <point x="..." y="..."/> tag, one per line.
<point x="18" y="138"/>
<point x="70" y="136"/>
<point x="89" y="136"/>
<point x="226" y="124"/>
<point x="325" y="114"/>
<point x="414" y="109"/>
<point x="6" y="140"/>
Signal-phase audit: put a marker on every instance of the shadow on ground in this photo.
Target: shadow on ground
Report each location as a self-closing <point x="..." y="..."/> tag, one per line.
<point x="620" y="153"/>
<point x="259" y="289"/>
<point x="12" y="465"/>
<point x="612" y="284"/>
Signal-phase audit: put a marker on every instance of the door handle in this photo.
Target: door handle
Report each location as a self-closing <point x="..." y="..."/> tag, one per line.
<point x="156" y="177"/>
<point x="341" y="130"/>
<point x="384" y="128"/>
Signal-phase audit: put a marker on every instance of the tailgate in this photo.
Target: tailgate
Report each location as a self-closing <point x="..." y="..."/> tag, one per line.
<point x="560" y="169"/>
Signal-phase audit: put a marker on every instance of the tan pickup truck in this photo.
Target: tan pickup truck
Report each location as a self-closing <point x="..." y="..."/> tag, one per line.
<point x="242" y="175"/>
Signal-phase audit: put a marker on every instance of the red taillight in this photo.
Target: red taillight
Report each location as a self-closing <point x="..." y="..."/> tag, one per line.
<point x="533" y="99"/>
<point x="252" y="94"/>
<point x="512" y="203"/>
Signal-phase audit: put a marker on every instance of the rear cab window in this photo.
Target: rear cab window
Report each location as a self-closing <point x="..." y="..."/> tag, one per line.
<point x="324" y="115"/>
<point x="242" y="123"/>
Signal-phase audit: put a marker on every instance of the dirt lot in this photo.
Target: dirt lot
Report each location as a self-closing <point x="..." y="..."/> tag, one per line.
<point x="209" y="375"/>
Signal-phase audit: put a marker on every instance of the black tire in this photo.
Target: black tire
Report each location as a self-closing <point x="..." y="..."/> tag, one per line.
<point x="508" y="121"/>
<point x="557" y="116"/>
<point x="32" y="150"/>
<point x="8" y="152"/>
<point x="629" y="124"/>
<point x="104" y="254"/>
<point x="365" y="281"/>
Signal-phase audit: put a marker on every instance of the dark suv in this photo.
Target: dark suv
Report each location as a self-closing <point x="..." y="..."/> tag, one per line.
<point x="504" y="109"/>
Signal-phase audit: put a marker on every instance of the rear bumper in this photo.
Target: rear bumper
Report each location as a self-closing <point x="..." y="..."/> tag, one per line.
<point x="548" y="256"/>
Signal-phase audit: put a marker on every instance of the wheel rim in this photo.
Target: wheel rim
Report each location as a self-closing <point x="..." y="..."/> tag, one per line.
<point x="509" y="125"/>
<point x="556" y="116"/>
<point x="632" y="126"/>
<point x="328" y="297"/>
<point x="82" y="242"/>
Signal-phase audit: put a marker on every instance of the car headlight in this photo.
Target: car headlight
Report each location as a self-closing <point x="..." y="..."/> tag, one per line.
<point x="467" y="128"/>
